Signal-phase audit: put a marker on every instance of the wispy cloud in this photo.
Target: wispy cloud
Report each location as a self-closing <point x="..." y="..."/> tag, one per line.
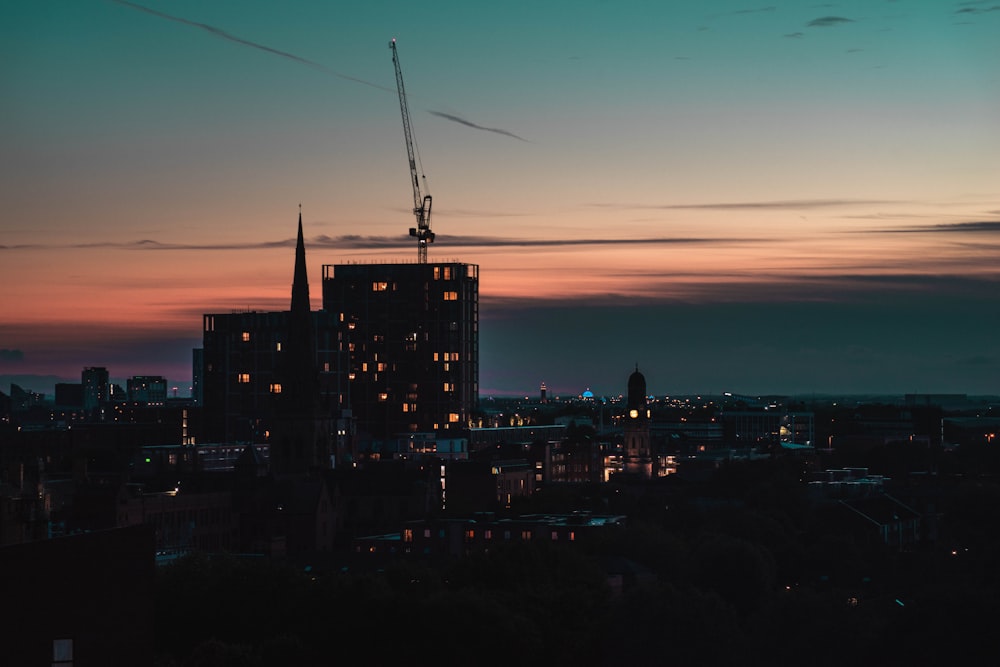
<point x="794" y="35"/>
<point x="978" y="10"/>
<point x="359" y="242"/>
<point x="828" y="21"/>
<point x="780" y="204"/>
<point x="222" y="34"/>
<point x="475" y="126"/>
<point x="976" y="227"/>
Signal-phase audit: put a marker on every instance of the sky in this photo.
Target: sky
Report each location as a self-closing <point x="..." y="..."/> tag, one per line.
<point x="790" y="198"/>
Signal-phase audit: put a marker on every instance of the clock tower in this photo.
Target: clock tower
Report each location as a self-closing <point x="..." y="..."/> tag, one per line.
<point x="638" y="454"/>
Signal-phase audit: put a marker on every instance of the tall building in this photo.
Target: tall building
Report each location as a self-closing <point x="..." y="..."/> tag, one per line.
<point x="638" y="453"/>
<point x="412" y="339"/>
<point x="96" y="387"/>
<point x="243" y="368"/>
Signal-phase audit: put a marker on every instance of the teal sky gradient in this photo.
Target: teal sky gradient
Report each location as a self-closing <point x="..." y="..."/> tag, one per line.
<point x="679" y="160"/>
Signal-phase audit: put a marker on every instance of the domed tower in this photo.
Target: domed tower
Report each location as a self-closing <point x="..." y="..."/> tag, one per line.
<point x="638" y="454"/>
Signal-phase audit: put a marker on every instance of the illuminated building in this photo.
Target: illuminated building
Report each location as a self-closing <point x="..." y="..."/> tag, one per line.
<point x="96" y="387"/>
<point x="638" y="456"/>
<point x="412" y="339"/>
<point x="258" y="367"/>
<point x="147" y="389"/>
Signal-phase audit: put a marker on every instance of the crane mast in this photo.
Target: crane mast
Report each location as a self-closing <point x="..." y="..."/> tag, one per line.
<point x="421" y="201"/>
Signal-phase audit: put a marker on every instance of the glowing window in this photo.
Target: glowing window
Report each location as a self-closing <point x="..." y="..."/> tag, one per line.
<point x="407" y="534"/>
<point x="246" y="336"/>
<point x="452" y="417"/>
<point x="276" y="388"/>
<point x="383" y="397"/>
<point x="277" y="347"/>
<point x="451" y="296"/>
<point x="525" y="534"/>
<point x="437" y="273"/>
<point x="243" y="378"/>
<point x="447" y="273"/>
<point x="380" y="286"/>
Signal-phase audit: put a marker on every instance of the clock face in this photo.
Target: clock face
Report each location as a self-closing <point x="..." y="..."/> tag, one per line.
<point x="634" y="414"/>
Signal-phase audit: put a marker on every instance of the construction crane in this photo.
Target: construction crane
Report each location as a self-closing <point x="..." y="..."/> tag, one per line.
<point x="421" y="201"/>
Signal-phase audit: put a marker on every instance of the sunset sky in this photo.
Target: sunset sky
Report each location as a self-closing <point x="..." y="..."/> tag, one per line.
<point x="798" y="198"/>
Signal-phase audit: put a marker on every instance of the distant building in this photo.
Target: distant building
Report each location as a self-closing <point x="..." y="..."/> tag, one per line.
<point x="147" y="389"/>
<point x="638" y="452"/>
<point x="198" y="375"/>
<point x="483" y="531"/>
<point x="96" y="387"/>
<point x="69" y="396"/>
<point x="412" y="339"/>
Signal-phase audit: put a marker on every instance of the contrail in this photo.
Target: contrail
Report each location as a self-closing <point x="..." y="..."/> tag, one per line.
<point x="218" y="32"/>
<point x="457" y="119"/>
<point x="222" y="34"/>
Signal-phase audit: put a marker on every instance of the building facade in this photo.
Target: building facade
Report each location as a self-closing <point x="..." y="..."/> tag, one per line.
<point x="412" y="340"/>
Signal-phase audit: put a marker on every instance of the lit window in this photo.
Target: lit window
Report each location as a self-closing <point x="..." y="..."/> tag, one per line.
<point x="407" y="534"/>
<point x="326" y="366"/>
<point x="437" y="273"/>
<point x="488" y="534"/>
<point x="470" y="534"/>
<point x="277" y="347"/>
<point x="435" y="356"/>
<point x="525" y="534"/>
<point x="555" y="535"/>
<point x="244" y="378"/>
<point x="246" y="336"/>
<point x="276" y="388"/>
<point x="380" y="286"/>
<point x="451" y="296"/>
<point x="406" y="407"/>
<point x="447" y="273"/>
<point x="383" y="396"/>
<point x="453" y="417"/>
<point x="449" y="386"/>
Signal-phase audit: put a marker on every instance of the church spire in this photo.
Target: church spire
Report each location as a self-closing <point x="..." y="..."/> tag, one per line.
<point x="300" y="282"/>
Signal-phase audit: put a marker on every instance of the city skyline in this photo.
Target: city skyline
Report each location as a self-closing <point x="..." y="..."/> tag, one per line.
<point x="795" y="199"/>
